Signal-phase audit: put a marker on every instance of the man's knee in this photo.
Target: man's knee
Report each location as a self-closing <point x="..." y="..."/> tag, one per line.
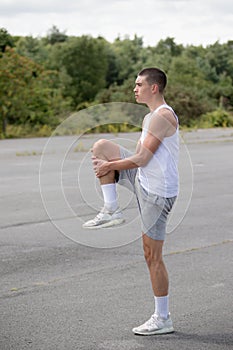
<point x="99" y="147"/>
<point x="152" y="258"/>
<point x="152" y="252"/>
<point x="106" y="150"/>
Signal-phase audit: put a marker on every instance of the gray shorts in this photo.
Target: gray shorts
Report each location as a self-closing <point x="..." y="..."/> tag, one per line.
<point x="153" y="209"/>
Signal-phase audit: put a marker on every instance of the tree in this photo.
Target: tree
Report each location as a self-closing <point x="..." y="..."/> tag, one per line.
<point x="41" y="77"/>
<point x="168" y="46"/>
<point x="188" y="90"/>
<point x="118" y="93"/>
<point x="27" y="95"/>
<point x="54" y="36"/>
<point x="32" y="48"/>
<point x="85" y="61"/>
<point x="220" y="57"/>
<point x="128" y="57"/>
<point x="5" y="39"/>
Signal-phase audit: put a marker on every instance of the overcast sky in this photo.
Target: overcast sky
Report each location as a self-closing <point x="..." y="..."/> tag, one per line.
<point x="187" y="21"/>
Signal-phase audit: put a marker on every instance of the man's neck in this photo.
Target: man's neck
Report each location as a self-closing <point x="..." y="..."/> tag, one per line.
<point x="156" y="103"/>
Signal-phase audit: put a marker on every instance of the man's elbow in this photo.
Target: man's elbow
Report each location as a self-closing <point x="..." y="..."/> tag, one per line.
<point x="142" y="161"/>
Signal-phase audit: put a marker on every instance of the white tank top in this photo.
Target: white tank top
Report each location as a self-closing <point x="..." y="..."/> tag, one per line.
<point x="160" y="175"/>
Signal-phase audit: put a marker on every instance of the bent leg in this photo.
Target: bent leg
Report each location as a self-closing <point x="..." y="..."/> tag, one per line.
<point x="106" y="150"/>
<point x="110" y="214"/>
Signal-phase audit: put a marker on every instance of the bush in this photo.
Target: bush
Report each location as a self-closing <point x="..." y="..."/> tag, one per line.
<point x="27" y="130"/>
<point x="217" y="118"/>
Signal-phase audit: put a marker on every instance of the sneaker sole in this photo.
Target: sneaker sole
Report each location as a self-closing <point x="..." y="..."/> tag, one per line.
<point x="158" y="331"/>
<point x="106" y="224"/>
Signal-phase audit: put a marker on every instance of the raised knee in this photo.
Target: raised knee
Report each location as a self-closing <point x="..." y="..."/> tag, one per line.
<point x="99" y="146"/>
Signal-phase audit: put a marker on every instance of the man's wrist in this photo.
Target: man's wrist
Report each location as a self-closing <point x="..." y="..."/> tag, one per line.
<point x="111" y="166"/>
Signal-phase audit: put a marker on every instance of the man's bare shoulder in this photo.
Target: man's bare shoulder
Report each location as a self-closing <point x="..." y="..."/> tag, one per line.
<point x="163" y="123"/>
<point x="169" y="115"/>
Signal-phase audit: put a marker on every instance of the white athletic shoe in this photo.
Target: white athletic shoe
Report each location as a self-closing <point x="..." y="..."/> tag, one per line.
<point x="105" y="219"/>
<point x="155" y="325"/>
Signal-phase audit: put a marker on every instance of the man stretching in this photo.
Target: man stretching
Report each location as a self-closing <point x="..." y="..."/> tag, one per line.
<point x="152" y="174"/>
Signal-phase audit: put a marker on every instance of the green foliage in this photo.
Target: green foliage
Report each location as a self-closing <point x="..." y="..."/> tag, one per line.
<point x="84" y="60"/>
<point x="32" y="48"/>
<point x="28" y="130"/>
<point x="116" y="93"/>
<point x="5" y="39"/>
<point x="128" y="56"/>
<point x="26" y="92"/>
<point x="114" y="128"/>
<point x="54" y="36"/>
<point x="217" y="118"/>
<point x="41" y="79"/>
<point x="169" y="47"/>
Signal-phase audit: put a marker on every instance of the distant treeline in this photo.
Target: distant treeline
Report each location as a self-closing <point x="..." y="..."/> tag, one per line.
<point x="44" y="79"/>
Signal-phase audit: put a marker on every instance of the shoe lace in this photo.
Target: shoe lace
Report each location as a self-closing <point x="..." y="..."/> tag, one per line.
<point x="153" y="320"/>
<point x="100" y="214"/>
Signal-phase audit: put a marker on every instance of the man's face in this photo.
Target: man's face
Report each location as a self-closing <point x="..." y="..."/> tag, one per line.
<point x="142" y="90"/>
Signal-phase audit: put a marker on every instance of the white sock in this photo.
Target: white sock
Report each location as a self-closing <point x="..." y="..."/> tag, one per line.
<point x="161" y="306"/>
<point x="110" y="196"/>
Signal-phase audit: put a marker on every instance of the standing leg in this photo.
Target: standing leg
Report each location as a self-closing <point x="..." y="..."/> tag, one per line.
<point x="158" y="274"/>
<point x="160" y="322"/>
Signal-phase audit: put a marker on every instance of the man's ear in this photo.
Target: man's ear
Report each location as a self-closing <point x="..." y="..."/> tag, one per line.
<point x="154" y="88"/>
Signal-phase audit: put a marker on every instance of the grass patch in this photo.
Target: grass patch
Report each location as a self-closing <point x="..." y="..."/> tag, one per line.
<point x="80" y="148"/>
<point x="28" y="154"/>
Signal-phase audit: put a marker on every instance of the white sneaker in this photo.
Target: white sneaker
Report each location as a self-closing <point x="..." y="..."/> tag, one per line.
<point x="105" y="219"/>
<point x="155" y="325"/>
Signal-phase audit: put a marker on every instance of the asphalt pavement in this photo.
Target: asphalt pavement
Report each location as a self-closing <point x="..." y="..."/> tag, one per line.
<point x="66" y="288"/>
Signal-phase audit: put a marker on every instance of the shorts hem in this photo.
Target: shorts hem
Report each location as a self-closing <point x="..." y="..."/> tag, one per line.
<point x="155" y="236"/>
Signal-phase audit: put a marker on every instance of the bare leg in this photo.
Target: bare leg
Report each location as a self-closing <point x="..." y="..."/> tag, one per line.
<point x="157" y="269"/>
<point x="110" y="214"/>
<point x="160" y="322"/>
<point x="106" y="150"/>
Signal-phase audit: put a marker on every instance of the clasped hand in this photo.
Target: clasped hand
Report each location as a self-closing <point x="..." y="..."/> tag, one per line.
<point x="100" y="166"/>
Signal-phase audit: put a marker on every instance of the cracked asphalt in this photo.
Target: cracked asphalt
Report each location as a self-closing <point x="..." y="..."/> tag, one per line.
<point x="62" y="287"/>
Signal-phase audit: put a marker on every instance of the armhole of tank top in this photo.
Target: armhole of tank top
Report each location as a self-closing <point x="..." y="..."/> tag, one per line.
<point x="170" y="109"/>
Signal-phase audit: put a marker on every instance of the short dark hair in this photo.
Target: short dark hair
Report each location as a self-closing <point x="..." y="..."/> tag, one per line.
<point x="155" y="76"/>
